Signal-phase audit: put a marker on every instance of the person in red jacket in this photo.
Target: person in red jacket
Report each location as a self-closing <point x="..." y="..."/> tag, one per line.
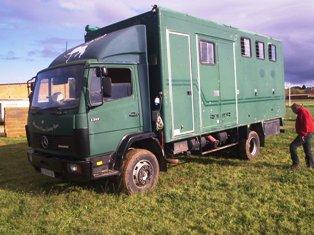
<point x="304" y="127"/>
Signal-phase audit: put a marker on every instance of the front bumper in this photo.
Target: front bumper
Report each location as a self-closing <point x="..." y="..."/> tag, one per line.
<point x="87" y="169"/>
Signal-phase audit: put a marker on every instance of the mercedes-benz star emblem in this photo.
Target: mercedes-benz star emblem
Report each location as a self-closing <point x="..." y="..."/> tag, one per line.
<point x="44" y="142"/>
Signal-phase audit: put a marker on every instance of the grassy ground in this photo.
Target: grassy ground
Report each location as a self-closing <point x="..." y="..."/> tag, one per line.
<point x="305" y="102"/>
<point x="202" y="195"/>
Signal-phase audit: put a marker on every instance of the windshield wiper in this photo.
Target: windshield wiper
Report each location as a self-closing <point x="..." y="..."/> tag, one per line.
<point x="53" y="110"/>
<point x="56" y="110"/>
<point x="61" y="110"/>
<point x="35" y="110"/>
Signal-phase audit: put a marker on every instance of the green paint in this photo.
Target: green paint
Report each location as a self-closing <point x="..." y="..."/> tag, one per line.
<point x="226" y="96"/>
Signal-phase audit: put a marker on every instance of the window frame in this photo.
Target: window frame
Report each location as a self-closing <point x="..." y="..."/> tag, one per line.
<point x="257" y="46"/>
<point x="91" y="103"/>
<point x="270" y="52"/>
<point x="200" y="52"/>
<point x="243" y="55"/>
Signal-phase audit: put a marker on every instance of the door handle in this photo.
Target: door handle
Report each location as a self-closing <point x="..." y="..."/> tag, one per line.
<point x="133" y="114"/>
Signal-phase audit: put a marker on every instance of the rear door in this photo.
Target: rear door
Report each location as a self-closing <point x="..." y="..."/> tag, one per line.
<point x="228" y="96"/>
<point x="208" y="72"/>
<point x="180" y="82"/>
<point x="217" y="80"/>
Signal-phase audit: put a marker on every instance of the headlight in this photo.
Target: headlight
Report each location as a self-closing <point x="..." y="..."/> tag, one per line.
<point x="74" y="168"/>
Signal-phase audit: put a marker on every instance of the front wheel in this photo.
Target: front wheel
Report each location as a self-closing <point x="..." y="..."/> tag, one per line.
<point x="250" y="146"/>
<point x="140" y="171"/>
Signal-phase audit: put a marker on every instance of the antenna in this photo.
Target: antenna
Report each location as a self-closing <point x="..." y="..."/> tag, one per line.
<point x="66" y="45"/>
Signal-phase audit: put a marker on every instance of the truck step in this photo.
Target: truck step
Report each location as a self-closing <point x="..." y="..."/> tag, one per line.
<point x="105" y="174"/>
<point x="217" y="149"/>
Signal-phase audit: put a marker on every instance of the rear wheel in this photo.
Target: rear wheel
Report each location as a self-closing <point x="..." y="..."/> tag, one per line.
<point x="250" y="146"/>
<point x="140" y="171"/>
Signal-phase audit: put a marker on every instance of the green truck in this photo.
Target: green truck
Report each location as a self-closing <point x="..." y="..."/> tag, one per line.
<point x="143" y="90"/>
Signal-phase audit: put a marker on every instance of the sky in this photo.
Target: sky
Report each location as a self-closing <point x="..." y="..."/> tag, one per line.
<point x="34" y="32"/>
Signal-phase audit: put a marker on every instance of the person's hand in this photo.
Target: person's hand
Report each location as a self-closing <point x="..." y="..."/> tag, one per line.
<point x="303" y="138"/>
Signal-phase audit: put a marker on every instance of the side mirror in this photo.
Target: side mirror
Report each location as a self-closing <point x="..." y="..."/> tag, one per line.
<point x="32" y="86"/>
<point x="101" y="72"/>
<point x="106" y="86"/>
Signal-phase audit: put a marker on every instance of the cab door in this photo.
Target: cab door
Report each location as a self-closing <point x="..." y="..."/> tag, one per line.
<point x="120" y="114"/>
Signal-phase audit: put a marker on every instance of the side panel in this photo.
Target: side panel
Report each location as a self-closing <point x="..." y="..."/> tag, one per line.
<point x="180" y="82"/>
<point x="260" y="83"/>
<point x="236" y="91"/>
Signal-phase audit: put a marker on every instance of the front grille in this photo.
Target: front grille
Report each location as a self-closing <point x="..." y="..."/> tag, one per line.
<point x="54" y="142"/>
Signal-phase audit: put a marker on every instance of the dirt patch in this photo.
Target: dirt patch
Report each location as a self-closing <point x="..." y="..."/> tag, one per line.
<point x="1" y="132"/>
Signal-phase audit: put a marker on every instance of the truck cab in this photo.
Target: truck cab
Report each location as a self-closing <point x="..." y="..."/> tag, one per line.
<point x="90" y="106"/>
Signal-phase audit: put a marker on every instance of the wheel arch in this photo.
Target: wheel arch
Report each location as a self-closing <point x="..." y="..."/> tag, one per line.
<point x="257" y="127"/>
<point x="146" y="141"/>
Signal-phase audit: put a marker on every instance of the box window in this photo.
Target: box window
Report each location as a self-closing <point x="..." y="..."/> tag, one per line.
<point x="260" y="51"/>
<point x="246" y="47"/>
<point x="272" y="55"/>
<point x="207" y="52"/>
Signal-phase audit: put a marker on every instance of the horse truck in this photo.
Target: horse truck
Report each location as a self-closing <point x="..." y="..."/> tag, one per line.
<point x="141" y="91"/>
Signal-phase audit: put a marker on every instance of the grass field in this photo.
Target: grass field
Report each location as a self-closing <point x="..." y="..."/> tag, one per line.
<point x="305" y="102"/>
<point x="220" y="194"/>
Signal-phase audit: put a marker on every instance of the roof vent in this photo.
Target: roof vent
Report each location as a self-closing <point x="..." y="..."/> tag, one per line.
<point x="89" y="28"/>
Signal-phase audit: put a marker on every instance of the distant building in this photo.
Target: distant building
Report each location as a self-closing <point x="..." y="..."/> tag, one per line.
<point x="13" y="95"/>
<point x="310" y="90"/>
<point x="15" y="91"/>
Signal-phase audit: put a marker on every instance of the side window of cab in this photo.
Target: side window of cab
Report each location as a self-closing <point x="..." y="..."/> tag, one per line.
<point x="119" y="81"/>
<point x="121" y="84"/>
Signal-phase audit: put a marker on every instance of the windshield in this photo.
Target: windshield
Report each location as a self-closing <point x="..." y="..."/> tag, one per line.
<point x="58" y="88"/>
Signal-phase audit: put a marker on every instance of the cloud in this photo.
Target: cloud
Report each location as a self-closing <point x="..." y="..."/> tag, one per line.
<point x="288" y="20"/>
<point x="44" y="52"/>
<point x="9" y="56"/>
<point x="71" y="13"/>
<point x="59" y="42"/>
<point x="7" y="26"/>
<point x="51" y="47"/>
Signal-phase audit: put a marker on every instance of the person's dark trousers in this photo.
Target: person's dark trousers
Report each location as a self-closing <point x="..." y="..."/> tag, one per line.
<point x="306" y="147"/>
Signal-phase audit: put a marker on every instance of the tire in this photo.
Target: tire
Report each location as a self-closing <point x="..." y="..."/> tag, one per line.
<point x="140" y="171"/>
<point x="250" y="146"/>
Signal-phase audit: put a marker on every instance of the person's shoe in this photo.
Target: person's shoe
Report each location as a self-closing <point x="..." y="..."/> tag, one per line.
<point x="295" y="167"/>
<point x="173" y="161"/>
